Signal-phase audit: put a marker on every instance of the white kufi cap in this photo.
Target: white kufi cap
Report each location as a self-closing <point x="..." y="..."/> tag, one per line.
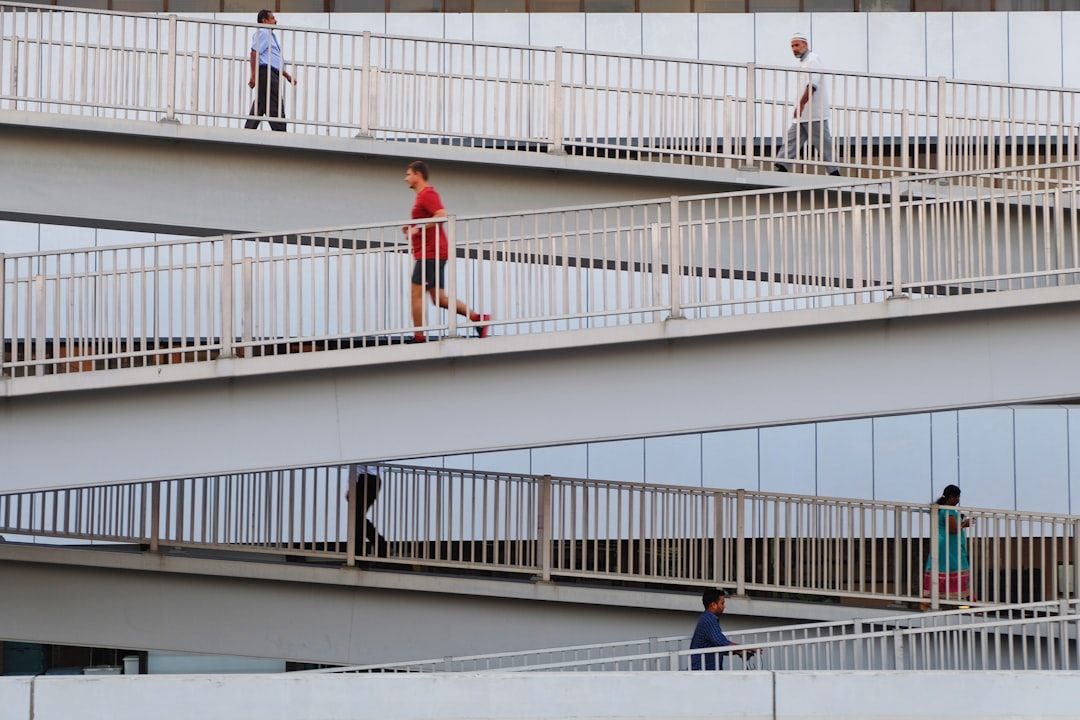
<point x="800" y="36"/>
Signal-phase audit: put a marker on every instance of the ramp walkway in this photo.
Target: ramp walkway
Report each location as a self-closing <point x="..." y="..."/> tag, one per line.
<point x="544" y="529"/>
<point x="727" y="293"/>
<point x="535" y="100"/>
<point x="1016" y="637"/>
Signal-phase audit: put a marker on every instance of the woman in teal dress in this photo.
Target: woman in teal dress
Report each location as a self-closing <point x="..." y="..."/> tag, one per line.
<point x="953" y="576"/>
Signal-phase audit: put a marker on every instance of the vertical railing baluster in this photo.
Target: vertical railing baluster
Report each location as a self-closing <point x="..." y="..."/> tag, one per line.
<point x="674" y="262"/>
<point x="451" y="275"/>
<point x="942" y="139"/>
<point x="556" y="106"/>
<point x="544" y="529"/>
<point x="740" y="542"/>
<point x="171" y="69"/>
<point x="228" y="313"/>
<point x="367" y="86"/>
<point x="895" y="205"/>
<point x="155" y="515"/>
<point x="3" y="315"/>
<point x="748" y="139"/>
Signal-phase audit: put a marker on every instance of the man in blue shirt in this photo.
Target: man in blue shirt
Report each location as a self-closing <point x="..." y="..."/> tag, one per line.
<point x="266" y="70"/>
<point x="707" y="633"/>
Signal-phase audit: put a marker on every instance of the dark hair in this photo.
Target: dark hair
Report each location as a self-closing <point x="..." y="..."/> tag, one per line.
<point x="420" y="167"/>
<point x="710" y="596"/>
<point x="263" y="14"/>
<point x="950" y="491"/>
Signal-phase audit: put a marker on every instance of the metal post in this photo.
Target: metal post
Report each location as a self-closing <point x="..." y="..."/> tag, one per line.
<point x="935" y="599"/>
<point x="451" y="274"/>
<point x="898" y="649"/>
<point x="857" y="650"/>
<point x="350" y="509"/>
<point x="543" y="529"/>
<point x="367" y="87"/>
<point x="728" y="129"/>
<point x="748" y="150"/>
<point x="556" y="107"/>
<point x="905" y="134"/>
<point x="1074" y="562"/>
<point x="3" y="317"/>
<point x="39" y="325"/>
<point x="740" y="542"/>
<point x="247" y="301"/>
<point x="897" y="256"/>
<point x="155" y="516"/>
<point x="942" y="141"/>
<point x="228" y="333"/>
<point x="675" y="262"/>
<point x="1059" y="235"/>
<point x="171" y="70"/>
<point x="717" y="536"/>
<point x="673" y="661"/>
<point x="896" y="553"/>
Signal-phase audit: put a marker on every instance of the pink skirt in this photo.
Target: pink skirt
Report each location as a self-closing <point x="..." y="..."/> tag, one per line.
<point x="951" y="585"/>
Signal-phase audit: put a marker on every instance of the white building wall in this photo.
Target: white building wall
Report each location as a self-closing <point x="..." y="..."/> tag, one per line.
<point x="544" y="696"/>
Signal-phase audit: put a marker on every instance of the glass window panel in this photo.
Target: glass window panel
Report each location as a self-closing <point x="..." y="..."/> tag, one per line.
<point x="966" y="5"/>
<point x="360" y="6"/>
<point x="664" y="6"/>
<point x="729" y="460"/>
<point x="492" y="6"/>
<point x="1042" y="459"/>
<point x="18" y="237"/>
<point x="718" y="6"/>
<point x="902" y="459"/>
<point x="609" y="5"/>
<point x="569" y="461"/>
<point x="845" y="459"/>
<point x="828" y="5"/>
<point x="192" y="6"/>
<point x="788" y="460"/>
<point x="617" y="460"/>
<point x="945" y="456"/>
<point x="457" y="6"/>
<point x="555" y="5"/>
<point x="511" y="461"/>
<point x="986" y="458"/>
<point x="673" y="460"/>
<point x="415" y="5"/>
<point x="302" y="6"/>
<point x="1074" y="461"/>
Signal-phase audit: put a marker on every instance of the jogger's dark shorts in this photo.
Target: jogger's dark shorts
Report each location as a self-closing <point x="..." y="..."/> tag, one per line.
<point x="429" y="273"/>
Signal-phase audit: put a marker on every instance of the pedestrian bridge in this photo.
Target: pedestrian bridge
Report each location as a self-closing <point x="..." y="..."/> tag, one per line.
<point x="191" y="70"/>
<point x="607" y="557"/>
<point x="767" y="307"/>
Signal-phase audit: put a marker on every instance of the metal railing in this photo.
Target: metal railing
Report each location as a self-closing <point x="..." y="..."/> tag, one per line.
<point x="195" y="71"/>
<point x="547" y="527"/>
<point x="544" y="271"/>
<point x="1017" y="636"/>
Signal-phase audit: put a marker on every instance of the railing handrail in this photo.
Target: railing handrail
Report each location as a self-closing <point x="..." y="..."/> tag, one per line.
<point x="824" y="183"/>
<point x="854" y="634"/>
<point x="504" y="535"/>
<point x="42" y="9"/>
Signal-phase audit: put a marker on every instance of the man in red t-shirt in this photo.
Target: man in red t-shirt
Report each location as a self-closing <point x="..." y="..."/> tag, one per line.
<point x="429" y="247"/>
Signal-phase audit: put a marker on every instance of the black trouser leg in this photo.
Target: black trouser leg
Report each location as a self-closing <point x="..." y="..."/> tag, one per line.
<point x="267" y="99"/>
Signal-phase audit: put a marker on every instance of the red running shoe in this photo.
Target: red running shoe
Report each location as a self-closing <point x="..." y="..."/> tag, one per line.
<point x="483" y="330"/>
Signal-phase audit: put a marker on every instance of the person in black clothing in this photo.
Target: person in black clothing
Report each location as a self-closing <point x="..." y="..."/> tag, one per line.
<point x="367" y="487"/>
